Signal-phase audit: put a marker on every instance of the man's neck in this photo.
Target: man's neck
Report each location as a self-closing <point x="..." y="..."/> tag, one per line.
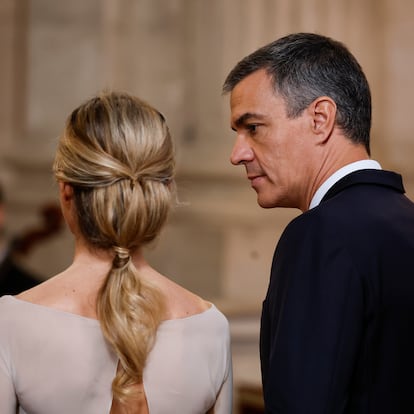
<point x="337" y="175"/>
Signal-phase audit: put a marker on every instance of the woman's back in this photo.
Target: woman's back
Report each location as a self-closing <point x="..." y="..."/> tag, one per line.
<point x="60" y="362"/>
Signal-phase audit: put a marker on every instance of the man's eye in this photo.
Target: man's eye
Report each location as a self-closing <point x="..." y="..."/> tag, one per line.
<point x="252" y="128"/>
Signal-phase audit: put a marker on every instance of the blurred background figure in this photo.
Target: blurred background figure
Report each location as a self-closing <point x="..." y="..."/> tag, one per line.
<point x="14" y="278"/>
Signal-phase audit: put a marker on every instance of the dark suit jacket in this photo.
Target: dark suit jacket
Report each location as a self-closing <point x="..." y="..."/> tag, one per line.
<point x="337" y="330"/>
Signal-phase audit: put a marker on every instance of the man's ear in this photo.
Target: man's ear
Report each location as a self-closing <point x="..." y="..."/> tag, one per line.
<point x="323" y="115"/>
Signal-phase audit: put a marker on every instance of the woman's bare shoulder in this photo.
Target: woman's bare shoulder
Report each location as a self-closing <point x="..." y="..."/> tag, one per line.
<point x="181" y="302"/>
<point x="41" y="294"/>
<point x="59" y="294"/>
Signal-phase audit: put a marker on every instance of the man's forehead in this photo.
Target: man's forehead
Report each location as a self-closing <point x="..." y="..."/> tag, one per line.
<point x="253" y="90"/>
<point x="254" y="97"/>
<point x="258" y="79"/>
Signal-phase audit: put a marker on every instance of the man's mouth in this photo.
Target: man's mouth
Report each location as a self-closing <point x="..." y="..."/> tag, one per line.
<point x="255" y="178"/>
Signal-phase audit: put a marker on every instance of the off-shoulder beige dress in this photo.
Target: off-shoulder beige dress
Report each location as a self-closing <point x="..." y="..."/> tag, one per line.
<point x="53" y="362"/>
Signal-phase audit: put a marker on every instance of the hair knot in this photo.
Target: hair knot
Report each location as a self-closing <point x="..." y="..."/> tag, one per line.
<point x="122" y="257"/>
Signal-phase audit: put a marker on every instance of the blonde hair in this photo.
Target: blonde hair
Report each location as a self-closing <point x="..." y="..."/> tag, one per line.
<point x="117" y="153"/>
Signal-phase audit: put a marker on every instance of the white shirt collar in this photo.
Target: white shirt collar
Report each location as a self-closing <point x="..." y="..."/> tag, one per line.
<point x="336" y="176"/>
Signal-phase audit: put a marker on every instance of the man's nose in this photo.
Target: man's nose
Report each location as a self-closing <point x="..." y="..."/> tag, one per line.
<point x="241" y="152"/>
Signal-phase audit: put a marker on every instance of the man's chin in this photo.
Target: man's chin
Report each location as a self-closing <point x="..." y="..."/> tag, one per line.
<point x="273" y="202"/>
<point x="266" y="203"/>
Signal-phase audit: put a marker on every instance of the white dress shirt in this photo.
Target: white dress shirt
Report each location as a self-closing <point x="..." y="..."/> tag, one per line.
<point x="336" y="176"/>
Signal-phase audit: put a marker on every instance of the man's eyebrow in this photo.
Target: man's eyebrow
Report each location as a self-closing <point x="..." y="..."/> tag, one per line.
<point x="241" y="120"/>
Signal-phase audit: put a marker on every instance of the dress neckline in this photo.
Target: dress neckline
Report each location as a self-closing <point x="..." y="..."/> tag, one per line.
<point x="96" y="321"/>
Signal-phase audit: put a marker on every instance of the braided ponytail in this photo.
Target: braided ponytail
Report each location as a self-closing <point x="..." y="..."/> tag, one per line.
<point x="130" y="311"/>
<point x="117" y="153"/>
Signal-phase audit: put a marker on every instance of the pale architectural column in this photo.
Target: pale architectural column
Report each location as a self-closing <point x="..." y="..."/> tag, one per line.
<point x="13" y="78"/>
<point x="144" y="53"/>
<point x="65" y="64"/>
<point x="366" y="37"/>
<point x="399" y="88"/>
<point x="61" y="66"/>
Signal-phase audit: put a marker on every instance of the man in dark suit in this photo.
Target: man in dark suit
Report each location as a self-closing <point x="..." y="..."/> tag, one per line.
<point x="337" y="329"/>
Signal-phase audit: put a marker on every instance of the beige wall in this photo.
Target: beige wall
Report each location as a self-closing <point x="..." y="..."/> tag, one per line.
<point x="176" y="54"/>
